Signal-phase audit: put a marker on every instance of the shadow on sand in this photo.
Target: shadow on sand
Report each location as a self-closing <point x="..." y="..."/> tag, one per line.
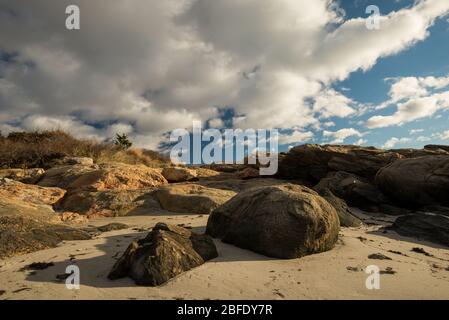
<point x="94" y="270"/>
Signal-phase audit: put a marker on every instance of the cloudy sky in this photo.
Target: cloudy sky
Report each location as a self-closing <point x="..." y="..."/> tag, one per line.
<point x="310" y="68"/>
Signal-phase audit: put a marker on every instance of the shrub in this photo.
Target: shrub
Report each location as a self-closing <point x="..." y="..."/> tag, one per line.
<point x="46" y="148"/>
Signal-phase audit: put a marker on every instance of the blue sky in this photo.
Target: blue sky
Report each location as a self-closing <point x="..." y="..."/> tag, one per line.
<point x="427" y="58"/>
<point x="304" y="67"/>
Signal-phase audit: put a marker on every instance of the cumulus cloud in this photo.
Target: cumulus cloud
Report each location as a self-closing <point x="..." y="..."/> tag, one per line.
<point x="444" y="135"/>
<point x="341" y="135"/>
<point x="149" y="67"/>
<point x="296" y="137"/>
<point x="392" y="142"/>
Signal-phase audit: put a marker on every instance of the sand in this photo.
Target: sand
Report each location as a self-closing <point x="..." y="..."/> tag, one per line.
<point x="239" y="274"/>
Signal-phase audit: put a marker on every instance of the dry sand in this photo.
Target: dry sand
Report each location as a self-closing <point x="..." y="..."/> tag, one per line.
<point x="238" y="274"/>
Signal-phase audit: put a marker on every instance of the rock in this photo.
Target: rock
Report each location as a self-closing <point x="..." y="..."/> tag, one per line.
<point x="108" y="176"/>
<point x="178" y="174"/>
<point x="164" y="253"/>
<point x="355" y="190"/>
<point x="78" y="160"/>
<point x="248" y="173"/>
<point x="106" y="228"/>
<point x="284" y="221"/>
<point x="20" y="235"/>
<point x="63" y="176"/>
<point x="30" y="176"/>
<point x="311" y="163"/>
<point x="19" y="208"/>
<point x="15" y="190"/>
<point x="416" y="182"/>
<point x="70" y="217"/>
<point x="438" y="148"/>
<point x="118" y="176"/>
<point x="378" y="256"/>
<point x="347" y="219"/>
<point x="425" y="226"/>
<point x="109" y="203"/>
<point x="191" y="198"/>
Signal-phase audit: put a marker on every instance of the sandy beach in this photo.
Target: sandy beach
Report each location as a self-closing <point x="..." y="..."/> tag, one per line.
<point x="236" y="273"/>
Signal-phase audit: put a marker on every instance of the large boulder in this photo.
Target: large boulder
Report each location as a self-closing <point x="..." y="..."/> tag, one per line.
<point x="30" y="176"/>
<point x="284" y="221"/>
<point x="179" y="174"/>
<point x="311" y="163"/>
<point x="109" y="203"/>
<point x="15" y="190"/>
<point x="416" y="182"/>
<point x="166" y="252"/>
<point x="20" y="235"/>
<point x="191" y="198"/>
<point x="424" y="226"/>
<point x="108" y="176"/>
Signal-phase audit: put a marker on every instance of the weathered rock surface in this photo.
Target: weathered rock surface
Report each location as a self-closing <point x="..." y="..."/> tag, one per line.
<point x="63" y="176"/>
<point x="355" y="190"/>
<point x="191" y="198"/>
<point x="248" y="173"/>
<point x="311" y="163"/>
<point x="285" y="221"/>
<point x="417" y="182"/>
<point x="14" y="207"/>
<point x="109" y="176"/>
<point x="15" y="190"/>
<point x="109" y="203"/>
<point x="347" y="219"/>
<point x="178" y="174"/>
<point x="166" y="252"/>
<point x="30" y="176"/>
<point x="20" y="235"/>
<point x="424" y="226"/>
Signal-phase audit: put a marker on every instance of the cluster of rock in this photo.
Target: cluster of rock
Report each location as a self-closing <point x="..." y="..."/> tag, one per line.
<point x="297" y="213"/>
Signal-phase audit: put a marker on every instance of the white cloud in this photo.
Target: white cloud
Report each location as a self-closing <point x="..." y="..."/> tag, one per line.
<point x="296" y="137"/>
<point x="444" y="135"/>
<point x="157" y="65"/>
<point x="361" y="142"/>
<point x="391" y="143"/>
<point x="415" y="131"/>
<point x="341" y="135"/>
<point x="413" y="109"/>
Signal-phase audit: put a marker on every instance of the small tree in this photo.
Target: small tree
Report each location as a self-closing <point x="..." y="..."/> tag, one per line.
<point x="122" y="141"/>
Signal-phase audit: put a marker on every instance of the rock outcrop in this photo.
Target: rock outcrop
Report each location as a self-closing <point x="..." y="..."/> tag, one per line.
<point x="285" y="221"/>
<point x="416" y="182"/>
<point x="347" y="219"/>
<point x="355" y="190"/>
<point x="166" y="252"/>
<point x="110" y="176"/>
<point x="14" y="190"/>
<point x="109" y="203"/>
<point x="20" y="235"/>
<point x="179" y="174"/>
<point x="311" y="163"/>
<point x="424" y="226"/>
<point x="191" y="198"/>
<point x="29" y="176"/>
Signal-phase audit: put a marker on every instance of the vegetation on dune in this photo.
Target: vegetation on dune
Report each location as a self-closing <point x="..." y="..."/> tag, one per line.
<point x="42" y="149"/>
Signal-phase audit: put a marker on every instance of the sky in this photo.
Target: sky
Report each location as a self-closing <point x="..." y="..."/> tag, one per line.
<point x="311" y="69"/>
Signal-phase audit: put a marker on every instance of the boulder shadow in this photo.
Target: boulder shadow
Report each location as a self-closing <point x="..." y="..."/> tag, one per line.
<point x="96" y="261"/>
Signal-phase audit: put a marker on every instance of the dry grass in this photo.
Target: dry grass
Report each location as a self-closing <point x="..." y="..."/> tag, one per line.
<point x="44" y="149"/>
